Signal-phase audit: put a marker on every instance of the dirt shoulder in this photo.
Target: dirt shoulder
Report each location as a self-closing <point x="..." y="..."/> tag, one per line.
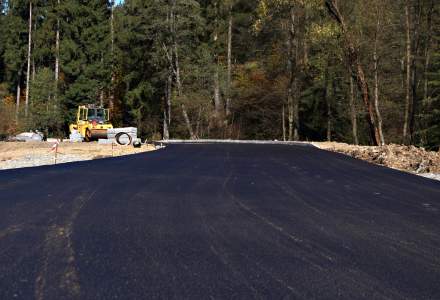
<point x="405" y="158"/>
<point x="29" y="154"/>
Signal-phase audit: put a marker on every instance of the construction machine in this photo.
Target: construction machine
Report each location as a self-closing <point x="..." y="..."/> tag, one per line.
<point x="92" y="122"/>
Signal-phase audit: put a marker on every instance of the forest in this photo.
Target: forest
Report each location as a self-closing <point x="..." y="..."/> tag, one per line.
<point x="354" y="71"/>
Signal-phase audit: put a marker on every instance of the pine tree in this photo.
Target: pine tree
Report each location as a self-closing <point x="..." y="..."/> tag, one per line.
<point x="84" y="58"/>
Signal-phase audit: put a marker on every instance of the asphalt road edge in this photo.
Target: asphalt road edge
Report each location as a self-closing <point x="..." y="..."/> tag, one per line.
<point x="214" y="141"/>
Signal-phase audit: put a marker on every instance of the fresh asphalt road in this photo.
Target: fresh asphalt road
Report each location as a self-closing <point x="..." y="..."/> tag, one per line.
<point x="220" y="221"/>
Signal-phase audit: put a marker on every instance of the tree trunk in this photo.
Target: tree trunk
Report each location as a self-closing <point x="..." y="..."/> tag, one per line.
<point x="34" y="67"/>
<point x="177" y="72"/>
<point x="376" y="82"/>
<point x="376" y="102"/>
<point x="402" y="72"/>
<point x="101" y="97"/>
<point x="188" y="122"/>
<point x="28" y="72"/>
<point x="327" y="97"/>
<point x="296" y="99"/>
<point x="112" y="40"/>
<point x="180" y="94"/>
<point x="305" y="41"/>
<point x="199" y="121"/>
<point x="101" y="89"/>
<point x="427" y="54"/>
<point x="353" y="114"/>
<point x="166" y="132"/>
<point x="167" y="110"/>
<point x="169" y="82"/>
<point x="296" y="115"/>
<point x="57" y="59"/>
<point x="290" y="113"/>
<point x="169" y="86"/>
<point x="357" y="68"/>
<point x="292" y="96"/>
<point x="408" y="99"/>
<point x="17" y="106"/>
<point x="283" y="119"/>
<point x="57" y="51"/>
<point x="414" y="72"/>
<point x="229" y="75"/>
<point x="217" y="98"/>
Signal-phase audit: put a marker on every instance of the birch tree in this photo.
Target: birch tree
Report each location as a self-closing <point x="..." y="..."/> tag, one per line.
<point x="408" y="98"/>
<point x="376" y="73"/>
<point x="176" y="66"/>
<point x="229" y="55"/>
<point x="29" y="53"/>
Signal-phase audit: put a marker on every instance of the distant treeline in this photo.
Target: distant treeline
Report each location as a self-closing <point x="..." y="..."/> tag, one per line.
<point x="354" y="71"/>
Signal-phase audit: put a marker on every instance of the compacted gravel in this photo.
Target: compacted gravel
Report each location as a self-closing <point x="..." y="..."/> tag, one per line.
<point x="31" y="154"/>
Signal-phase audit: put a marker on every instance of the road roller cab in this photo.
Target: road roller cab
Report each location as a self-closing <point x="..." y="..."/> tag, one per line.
<point x="92" y="122"/>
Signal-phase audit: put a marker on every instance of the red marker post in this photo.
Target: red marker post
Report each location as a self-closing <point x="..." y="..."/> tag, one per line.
<point x="55" y="150"/>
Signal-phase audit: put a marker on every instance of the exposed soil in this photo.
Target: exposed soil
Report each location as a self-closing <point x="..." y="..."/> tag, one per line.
<point x="406" y="158"/>
<point x="30" y="154"/>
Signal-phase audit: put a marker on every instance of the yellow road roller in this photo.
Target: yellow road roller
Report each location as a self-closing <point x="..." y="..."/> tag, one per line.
<point x="92" y="122"/>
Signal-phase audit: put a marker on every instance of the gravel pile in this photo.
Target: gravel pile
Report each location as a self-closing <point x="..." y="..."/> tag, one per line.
<point x="405" y="158"/>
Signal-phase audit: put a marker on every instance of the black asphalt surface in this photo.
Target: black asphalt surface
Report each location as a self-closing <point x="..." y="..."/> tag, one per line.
<point x="219" y="221"/>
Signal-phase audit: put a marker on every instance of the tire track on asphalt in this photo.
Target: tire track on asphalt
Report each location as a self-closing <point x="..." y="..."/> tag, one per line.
<point x="225" y="191"/>
<point x="58" y="278"/>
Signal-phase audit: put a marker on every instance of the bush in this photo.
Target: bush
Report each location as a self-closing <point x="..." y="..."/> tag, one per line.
<point x="8" y="124"/>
